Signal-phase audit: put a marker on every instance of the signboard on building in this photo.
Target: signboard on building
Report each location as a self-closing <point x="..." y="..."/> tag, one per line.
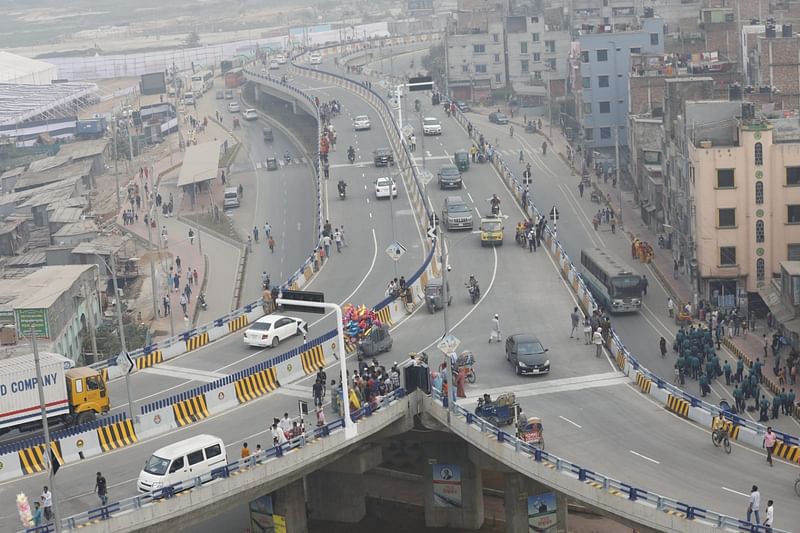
<point x="542" y="514"/>
<point x="36" y="319"/>
<point x="446" y="485"/>
<point x="6" y="316"/>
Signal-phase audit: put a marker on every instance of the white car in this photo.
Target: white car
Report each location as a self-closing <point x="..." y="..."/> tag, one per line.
<point x="250" y="114"/>
<point x="361" y="122"/>
<point x="431" y="126"/>
<point x="281" y="59"/>
<point x="316" y="59"/>
<point x="382" y="186"/>
<point x="233" y="107"/>
<point x="272" y="329"/>
<point x="274" y="65"/>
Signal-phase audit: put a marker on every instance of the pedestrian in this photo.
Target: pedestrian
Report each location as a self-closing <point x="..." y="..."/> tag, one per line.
<point x="766" y="345"/>
<point x="326" y="243"/>
<point x="754" y="504"/>
<point x="576" y="320"/>
<point x="184" y="302"/>
<point x="178" y="263"/>
<point x="597" y="339"/>
<point x="337" y="238"/>
<point x="769" y="518"/>
<point x="320" y="416"/>
<point x="245" y="451"/>
<point x="727" y="370"/>
<point x="317" y="392"/>
<point x="580" y="188"/>
<point x="267" y="230"/>
<point x="165" y="302"/>
<point x="195" y="276"/>
<point x="255" y="234"/>
<point x="521" y="156"/>
<point x="47" y="503"/>
<point x="271" y="243"/>
<point x="644" y="284"/>
<point x="495" y="333"/>
<point x="587" y="331"/>
<point x="101" y="488"/>
<point x="341" y="232"/>
<point x="37" y="514"/>
<point x="191" y="236"/>
<point x="413" y="139"/>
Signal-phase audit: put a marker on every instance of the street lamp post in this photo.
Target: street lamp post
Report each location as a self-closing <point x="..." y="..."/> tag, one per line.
<point x="121" y="330"/>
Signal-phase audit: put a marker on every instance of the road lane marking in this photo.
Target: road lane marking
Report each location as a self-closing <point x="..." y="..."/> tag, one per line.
<point x="186" y="374"/>
<point x="735" y="492"/>
<point x="565" y="419"/>
<point x="215" y="375"/>
<point x="644" y="457"/>
<point x="523" y="390"/>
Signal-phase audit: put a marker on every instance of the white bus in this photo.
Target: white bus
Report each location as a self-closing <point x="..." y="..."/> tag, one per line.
<point x="613" y="283"/>
<point x="202" y="82"/>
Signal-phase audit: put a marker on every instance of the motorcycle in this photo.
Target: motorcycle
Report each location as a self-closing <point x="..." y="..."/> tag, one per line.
<point x="202" y="301"/>
<point x="265" y="283"/>
<point x="287" y="158"/>
<point x="351" y="156"/>
<point x="342" y="190"/>
<point x="496" y="209"/>
<point x="474" y="292"/>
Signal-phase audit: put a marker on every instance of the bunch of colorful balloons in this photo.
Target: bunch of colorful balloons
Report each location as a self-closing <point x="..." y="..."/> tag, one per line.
<point x="24" y="510"/>
<point x="357" y="321"/>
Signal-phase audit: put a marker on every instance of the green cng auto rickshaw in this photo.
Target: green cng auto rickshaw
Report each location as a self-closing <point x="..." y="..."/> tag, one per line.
<point x="434" y="295"/>
<point x="461" y="160"/>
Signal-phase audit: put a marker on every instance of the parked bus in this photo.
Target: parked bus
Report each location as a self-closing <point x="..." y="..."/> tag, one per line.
<point x="613" y="283"/>
<point x="202" y="82"/>
<point x="234" y="78"/>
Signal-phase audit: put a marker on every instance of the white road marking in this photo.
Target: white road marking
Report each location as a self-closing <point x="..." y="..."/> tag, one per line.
<point x="523" y="390"/>
<point x="735" y="492"/>
<point x="470" y="199"/>
<point x="644" y="457"/>
<point x="565" y="419"/>
<point x="183" y="373"/>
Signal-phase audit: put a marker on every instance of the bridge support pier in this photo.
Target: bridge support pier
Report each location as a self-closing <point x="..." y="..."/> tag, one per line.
<point x="519" y="490"/>
<point x="453" y="487"/>
<point x="290" y="503"/>
<point x="336" y="496"/>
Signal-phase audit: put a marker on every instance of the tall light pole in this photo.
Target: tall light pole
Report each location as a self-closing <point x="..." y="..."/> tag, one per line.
<point x="121" y="326"/>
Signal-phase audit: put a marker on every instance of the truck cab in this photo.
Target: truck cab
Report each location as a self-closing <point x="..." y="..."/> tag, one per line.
<point x="87" y="394"/>
<point x="491" y="231"/>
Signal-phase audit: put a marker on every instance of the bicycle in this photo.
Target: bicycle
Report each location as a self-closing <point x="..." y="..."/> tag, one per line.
<point x="720" y="438"/>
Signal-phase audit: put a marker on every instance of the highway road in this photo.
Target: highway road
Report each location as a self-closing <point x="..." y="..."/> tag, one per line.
<point x="591" y="415"/>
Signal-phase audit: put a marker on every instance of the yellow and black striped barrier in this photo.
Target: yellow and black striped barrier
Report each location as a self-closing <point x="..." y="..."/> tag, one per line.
<point x="643" y="382"/>
<point x="730" y="428"/>
<point x="385" y="316"/>
<point x="190" y="410"/>
<point x="198" y="341"/>
<point x="679" y="406"/>
<point x="32" y="460"/>
<point x="786" y="451"/>
<point x="620" y="359"/>
<point x="255" y="385"/>
<point x="237" y="323"/>
<point x="117" y="435"/>
<point x="150" y="359"/>
<point x="313" y="359"/>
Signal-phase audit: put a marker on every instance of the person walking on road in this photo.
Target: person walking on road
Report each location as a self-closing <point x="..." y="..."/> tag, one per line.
<point x="47" y="503"/>
<point x="255" y="234"/>
<point x="271" y="243"/>
<point x="770" y="517"/>
<point x="495" y="333"/>
<point x="184" y="302"/>
<point x="769" y="445"/>
<point x="101" y="488"/>
<point x="191" y="236"/>
<point x="337" y="238"/>
<point x="753" y="505"/>
<point x="575" y="317"/>
<point x="341" y="232"/>
<point x="267" y="230"/>
<point x="597" y="340"/>
<point x="326" y="243"/>
<point x="587" y="331"/>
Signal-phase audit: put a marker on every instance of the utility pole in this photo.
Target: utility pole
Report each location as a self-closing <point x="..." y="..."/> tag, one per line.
<point x="116" y="164"/>
<point x="451" y="392"/>
<point x="616" y="170"/>
<point x="48" y="451"/>
<point x="92" y="334"/>
<point x="122" y="334"/>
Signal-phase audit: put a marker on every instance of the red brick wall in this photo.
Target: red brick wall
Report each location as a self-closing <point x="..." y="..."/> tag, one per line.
<point x="783" y="71"/>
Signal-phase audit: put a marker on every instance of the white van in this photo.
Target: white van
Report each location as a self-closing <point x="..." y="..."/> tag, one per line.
<point x="230" y="198"/>
<point x="182" y="461"/>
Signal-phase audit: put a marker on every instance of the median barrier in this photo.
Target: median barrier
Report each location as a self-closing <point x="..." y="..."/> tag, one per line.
<point x="174" y="349"/>
<point x="221" y="398"/>
<point x="256" y="385"/>
<point x="116" y="435"/>
<point x="10" y="466"/>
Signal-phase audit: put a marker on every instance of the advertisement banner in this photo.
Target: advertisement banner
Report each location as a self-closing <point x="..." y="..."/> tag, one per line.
<point x="261" y="515"/>
<point x="542" y="512"/>
<point x="446" y="485"/>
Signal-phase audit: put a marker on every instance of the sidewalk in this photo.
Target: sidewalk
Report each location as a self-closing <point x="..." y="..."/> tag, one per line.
<point x="163" y="174"/>
<point x="751" y="347"/>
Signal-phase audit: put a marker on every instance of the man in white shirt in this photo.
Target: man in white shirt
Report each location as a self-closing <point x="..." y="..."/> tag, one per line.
<point x="755" y="504"/>
<point x="47" y="503"/>
<point x="285" y="424"/>
<point x="769" y="518"/>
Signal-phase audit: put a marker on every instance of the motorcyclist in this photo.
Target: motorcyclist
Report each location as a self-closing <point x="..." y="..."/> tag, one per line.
<point x="342" y="186"/>
<point x="351" y="154"/>
<point x="473" y="288"/>
<point x="287" y="157"/>
<point x="495" y="202"/>
<point x="265" y="280"/>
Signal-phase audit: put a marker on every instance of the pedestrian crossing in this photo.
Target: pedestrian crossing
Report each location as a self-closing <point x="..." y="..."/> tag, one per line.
<point x="606" y="379"/>
<point x="281" y="163"/>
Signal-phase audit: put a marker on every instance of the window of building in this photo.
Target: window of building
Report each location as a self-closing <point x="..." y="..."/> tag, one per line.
<point x="654" y="39"/>
<point x="602" y="81"/>
<point x="523" y="47"/>
<point x="478" y="48"/>
<point x="587" y="108"/>
<point x="602" y="55"/>
<point x="605" y="107"/>
<point x="792" y="175"/>
<point x="725" y="178"/>
<point x="794" y="214"/>
<point x="551" y="63"/>
<point x="535" y="37"/>
<point x="758" y="153"/>
<point x="523" y="66"/>
<point x="588" y="134"/>
<point x="727" y="256"/>
<point x="760" y="270"/>
<point x="535" y="20"/>
<point x="537" y="75"/>
<point x="496" y="37"/>
<point x="726" y="217"/>
<point x="636" y="50"/>
<point x="587" y="82"/>
<point x="480" y="68"/>
<point x="550" y="46"/>
<point x="605" y="133"/>
<point x="497" y="78"/>
<point x="759" y="192"/>
<point x="585" y="56"/>
<point x="793" y="252"/>
<point x="605" y="3"/>
<point x="497" y="58"/>
<point x="537" y="57"/>
<point x="464" y="68"/>
<point x="759" y="231"/>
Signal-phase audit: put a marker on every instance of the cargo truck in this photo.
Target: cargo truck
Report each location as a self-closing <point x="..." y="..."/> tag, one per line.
<point x="73" y="395"/>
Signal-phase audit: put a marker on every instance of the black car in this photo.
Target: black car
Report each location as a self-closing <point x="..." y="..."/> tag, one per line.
<point x="383" y="157"/>
<point x="463" y="106"/>
<point x="498" y="118"/>
<point x="449" y="176"/>
<point x="527" y="354"/>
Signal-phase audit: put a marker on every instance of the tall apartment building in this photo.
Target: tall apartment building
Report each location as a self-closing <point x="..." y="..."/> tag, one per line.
<point x="620" y="15"/>
<point x="603" y="95"/>
<point x="777" y="65"/>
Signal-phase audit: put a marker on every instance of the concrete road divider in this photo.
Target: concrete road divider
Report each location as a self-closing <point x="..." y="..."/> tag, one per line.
<point x="221" y="398"/>
<point x="256" y="385"/>
<point x="117" y="435"/>
<point x="644" y="383"/>
<point x="786" y="451"/>
<point x="313" y="359"/>
<point x="237" y="323"/>
<point x="196" y="341"/>
<point x="191" y="410"/>
<point x="156" y="420"/>
<point x="679" y="406"/>
<point x="149" y="359"/>
<point x="385" y="314"/>
<point x="31" y="459"/>
<point x="10" y="466"/>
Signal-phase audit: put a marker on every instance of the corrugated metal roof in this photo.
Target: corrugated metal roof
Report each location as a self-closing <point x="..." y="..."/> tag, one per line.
<point x="16" y="68"/>
<point x="76" y="228"/>
<point x="42" y="288"/>
<point x="64" y="215"/>
<point x="200" y="163"/>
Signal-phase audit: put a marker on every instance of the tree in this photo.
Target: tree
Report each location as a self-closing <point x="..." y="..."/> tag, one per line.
<point x="192" y="40"/>
<point x="434" y="63"/>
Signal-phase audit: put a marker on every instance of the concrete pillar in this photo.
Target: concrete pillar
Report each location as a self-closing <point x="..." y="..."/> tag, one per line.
<point x="289" y="503"/>
<point x="453" y="487"/>
<point x="518" y="490"/>
<point x="336" y="496"/>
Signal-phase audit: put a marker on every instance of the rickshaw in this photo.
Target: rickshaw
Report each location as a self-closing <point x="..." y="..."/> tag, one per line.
<point x="503" y="411"/>
<point x="465" y="362"/>
<point x="434" y="295"/>
<point x="461" y="160"/>
<point x="376" y="341"/>
<point x="683" y="318"/>
<point x="272" y="163"/>
<point x="531" y="430"/>
<point x="530" y="127"/>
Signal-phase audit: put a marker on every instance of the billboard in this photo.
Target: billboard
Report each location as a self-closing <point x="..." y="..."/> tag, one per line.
<point x="35" y="319"/>
<point x="153" y="83"/>
<point x="542" y="512"/>
<point x="446" y="485"/>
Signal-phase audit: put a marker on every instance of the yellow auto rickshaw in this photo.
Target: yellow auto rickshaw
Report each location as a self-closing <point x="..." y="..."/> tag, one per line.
<point x="461" y="160"/>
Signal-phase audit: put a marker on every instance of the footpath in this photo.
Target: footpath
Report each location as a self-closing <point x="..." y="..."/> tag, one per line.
<point x="203" y="253"/>
<point x="676" y="282"/>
